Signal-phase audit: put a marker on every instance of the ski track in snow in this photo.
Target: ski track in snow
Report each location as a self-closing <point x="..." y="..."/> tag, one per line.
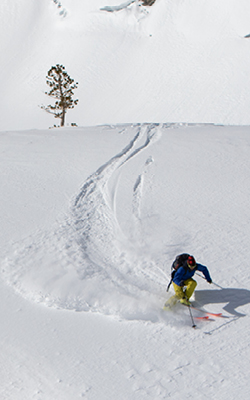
<point x="87" y="263"/>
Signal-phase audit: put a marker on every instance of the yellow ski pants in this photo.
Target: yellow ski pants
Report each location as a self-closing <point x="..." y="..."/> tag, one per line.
<point x="190" y="285"/>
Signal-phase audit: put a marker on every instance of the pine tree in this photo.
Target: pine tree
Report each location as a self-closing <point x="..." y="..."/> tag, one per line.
<point x="61" y="88"/>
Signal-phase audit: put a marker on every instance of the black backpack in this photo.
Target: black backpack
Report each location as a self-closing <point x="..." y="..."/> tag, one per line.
<point x="178" y="262"/>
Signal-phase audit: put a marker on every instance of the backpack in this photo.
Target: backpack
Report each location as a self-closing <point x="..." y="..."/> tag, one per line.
<point x="178" y="262"/>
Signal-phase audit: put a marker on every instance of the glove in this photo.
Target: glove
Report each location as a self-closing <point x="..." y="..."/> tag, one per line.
<point x="181" y="283"/>
<point x="209" y="281"/>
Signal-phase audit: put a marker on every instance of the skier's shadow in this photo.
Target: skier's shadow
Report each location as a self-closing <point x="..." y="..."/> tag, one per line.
<point x="233" y="297"/>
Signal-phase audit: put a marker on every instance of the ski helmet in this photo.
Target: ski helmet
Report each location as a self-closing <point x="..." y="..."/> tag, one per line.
<point x="191" y="262"/>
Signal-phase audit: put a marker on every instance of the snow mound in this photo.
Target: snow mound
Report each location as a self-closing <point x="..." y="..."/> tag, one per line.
<point x="118" y="8"/>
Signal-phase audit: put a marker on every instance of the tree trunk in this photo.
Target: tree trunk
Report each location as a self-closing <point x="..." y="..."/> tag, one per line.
<point x="63" y="117"/>
<point x="62" y="100"/>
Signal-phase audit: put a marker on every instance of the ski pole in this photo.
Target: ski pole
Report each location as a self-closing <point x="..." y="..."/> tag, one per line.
<point x="192" y="319"/>
<point x="212" y="281"/>
<point x="217" y="285"/>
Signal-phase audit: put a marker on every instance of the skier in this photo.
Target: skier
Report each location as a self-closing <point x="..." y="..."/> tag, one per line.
<point x="184" y="268"/>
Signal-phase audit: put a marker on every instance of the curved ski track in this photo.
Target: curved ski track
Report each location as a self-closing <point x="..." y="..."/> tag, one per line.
<point x="87" y="263"/>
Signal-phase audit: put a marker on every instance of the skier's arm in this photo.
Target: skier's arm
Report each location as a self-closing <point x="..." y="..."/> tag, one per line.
<point x="205" y="272"/>
<point x="179" y="277"/>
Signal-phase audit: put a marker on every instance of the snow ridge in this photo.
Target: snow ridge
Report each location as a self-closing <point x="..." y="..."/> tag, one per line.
<point x="118" y="8"/>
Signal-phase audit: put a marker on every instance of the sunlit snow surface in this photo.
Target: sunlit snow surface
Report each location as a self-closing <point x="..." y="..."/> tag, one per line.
<point x="170" y="189"/>
<point x="177" y="61"/>
<point x="86" y="262"/>
<point x="92" y="219"/>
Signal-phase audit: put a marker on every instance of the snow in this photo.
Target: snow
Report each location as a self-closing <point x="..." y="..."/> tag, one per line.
<point x="92" y="219"/>
<point x="118" y="8"/>
<point x="177" y="61"/>
<point x="93" y="216"/>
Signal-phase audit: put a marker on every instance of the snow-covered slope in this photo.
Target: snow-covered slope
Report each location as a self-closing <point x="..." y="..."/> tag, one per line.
<point x="176" y="61"/>
<point x="91" y="221"/>
<point x="92" y="218"/>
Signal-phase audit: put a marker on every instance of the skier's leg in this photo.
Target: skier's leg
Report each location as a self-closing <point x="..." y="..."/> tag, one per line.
<point x="178" y="291"/>
<point x="190" y="287"/>
<point x="170" y="302"/>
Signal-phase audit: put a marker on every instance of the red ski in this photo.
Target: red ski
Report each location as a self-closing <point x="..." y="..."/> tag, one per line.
<point x="208" y="313"/>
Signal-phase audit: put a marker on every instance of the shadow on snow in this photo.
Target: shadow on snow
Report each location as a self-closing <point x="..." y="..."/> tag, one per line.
<point x="233" y="297"/>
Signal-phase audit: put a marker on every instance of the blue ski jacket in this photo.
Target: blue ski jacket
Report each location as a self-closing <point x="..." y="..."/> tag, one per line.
<point x="183" y="273"/>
